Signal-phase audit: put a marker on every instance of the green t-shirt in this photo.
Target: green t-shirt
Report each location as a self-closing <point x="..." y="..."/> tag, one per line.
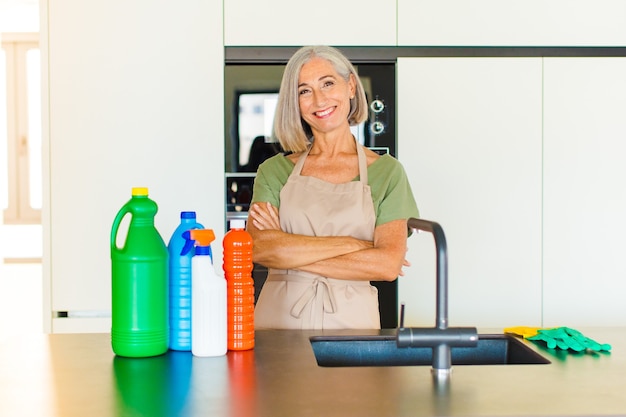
<point x="391" y="191"/>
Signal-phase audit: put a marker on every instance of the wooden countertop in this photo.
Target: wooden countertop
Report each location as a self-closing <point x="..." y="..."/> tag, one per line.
<point x="78" y="375"/>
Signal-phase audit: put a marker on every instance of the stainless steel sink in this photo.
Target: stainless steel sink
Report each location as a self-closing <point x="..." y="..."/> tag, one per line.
<point x="492" y="349"/>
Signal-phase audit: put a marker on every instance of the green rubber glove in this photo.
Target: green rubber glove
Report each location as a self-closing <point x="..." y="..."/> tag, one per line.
<point x="566" y="338"/>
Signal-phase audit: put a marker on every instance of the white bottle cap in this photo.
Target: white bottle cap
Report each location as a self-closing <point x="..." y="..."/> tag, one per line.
<point x="238" y="224"/>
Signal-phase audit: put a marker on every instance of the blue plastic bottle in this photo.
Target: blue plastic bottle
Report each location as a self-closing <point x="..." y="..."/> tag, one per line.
<point x="180" y="256"/>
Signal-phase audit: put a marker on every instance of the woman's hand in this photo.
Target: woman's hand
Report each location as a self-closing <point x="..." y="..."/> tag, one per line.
<point x="404" y="263"/>
<point x="264" y="216"/>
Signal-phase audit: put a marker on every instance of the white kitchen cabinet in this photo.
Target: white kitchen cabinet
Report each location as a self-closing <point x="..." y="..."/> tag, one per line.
<point x="585" y="191"/>
<point x="296" y="23"/>
<point x="134" y="98"/>
<point x="525" y="173"/>
<point x="511" y="23"/>
<point x="469" y="137"/>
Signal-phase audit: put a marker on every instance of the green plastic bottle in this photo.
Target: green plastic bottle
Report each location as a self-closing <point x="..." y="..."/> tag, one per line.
<point x="139" y="291"/>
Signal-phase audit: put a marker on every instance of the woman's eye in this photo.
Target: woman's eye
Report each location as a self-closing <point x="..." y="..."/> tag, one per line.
<point x="303" y="92"/>
<point x="329" y="83"/>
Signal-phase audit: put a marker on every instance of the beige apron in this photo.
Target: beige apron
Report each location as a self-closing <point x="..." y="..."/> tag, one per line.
<point x="293" y="299"/>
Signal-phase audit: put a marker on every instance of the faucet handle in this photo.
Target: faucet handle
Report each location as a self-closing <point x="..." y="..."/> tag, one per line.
<point x="433" y="337"/>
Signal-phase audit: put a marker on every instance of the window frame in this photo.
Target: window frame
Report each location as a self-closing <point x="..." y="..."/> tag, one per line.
<point x="19" y="208"/>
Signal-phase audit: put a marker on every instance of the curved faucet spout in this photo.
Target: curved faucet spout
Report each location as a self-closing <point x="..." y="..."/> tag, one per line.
<point x="441" y="247"/>
<point x="440" y="338"/>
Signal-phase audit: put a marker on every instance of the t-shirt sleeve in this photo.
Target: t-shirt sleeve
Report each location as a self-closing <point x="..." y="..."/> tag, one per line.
<point x="270" y="179"/>
<point x="392" y="192"/>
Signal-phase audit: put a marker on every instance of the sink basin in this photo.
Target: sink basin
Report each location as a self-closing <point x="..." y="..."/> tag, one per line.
<point x="496" y="349"/>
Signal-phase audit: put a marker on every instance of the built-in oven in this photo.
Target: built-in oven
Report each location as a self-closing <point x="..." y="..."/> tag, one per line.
<point x="251" y="89"/>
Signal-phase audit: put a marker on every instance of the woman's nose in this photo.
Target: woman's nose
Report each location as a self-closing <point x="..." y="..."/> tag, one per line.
<point x="319" y="97"/>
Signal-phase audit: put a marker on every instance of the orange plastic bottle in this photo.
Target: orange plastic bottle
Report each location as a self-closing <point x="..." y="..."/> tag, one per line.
<point x="238" y="266"/>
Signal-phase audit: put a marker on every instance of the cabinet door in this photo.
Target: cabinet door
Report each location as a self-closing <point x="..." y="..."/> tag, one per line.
<point x="469" y="137"/>
<point x="585" y="191"/>
<point x="132" y="106"/>
<point x="295" y="23"/>
<point x="511" y="23"/>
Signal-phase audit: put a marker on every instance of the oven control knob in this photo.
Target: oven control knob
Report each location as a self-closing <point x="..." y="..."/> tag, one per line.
<point x="377" y="127"/>
<point x="377" y="106"/>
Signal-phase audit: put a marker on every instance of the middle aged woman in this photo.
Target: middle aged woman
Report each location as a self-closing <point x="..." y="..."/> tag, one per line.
<point x="329" y="215"/>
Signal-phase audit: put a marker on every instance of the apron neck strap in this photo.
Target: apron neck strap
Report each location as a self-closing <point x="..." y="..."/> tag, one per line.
<point x="362" y="163"/>
<point x="298" y="168"/>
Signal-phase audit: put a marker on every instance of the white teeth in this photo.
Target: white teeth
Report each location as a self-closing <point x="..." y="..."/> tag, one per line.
<point x="324" y="113"/>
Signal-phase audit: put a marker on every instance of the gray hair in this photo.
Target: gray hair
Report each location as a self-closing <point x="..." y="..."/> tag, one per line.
<point x="290" y="129"/>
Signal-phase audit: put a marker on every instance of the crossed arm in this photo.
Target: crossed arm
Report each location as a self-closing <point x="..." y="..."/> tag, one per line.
<point x="340" y="257"/>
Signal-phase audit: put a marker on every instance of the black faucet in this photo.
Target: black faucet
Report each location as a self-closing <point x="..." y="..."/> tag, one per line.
<point x="441" y="337"/>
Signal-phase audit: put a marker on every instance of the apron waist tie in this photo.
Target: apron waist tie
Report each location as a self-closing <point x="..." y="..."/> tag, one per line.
<point x="319" y="284"/>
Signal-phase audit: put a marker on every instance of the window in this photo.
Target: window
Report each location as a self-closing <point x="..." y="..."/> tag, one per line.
<point x="20" y="129"/>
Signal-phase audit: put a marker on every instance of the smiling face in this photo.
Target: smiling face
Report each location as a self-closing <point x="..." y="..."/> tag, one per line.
<point x="324" y="96"/>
